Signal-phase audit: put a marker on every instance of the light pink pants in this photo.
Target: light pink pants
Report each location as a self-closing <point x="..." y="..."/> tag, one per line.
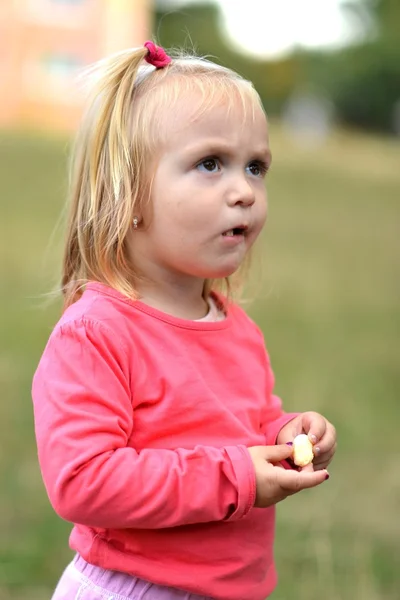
<point x="83" y="581"/>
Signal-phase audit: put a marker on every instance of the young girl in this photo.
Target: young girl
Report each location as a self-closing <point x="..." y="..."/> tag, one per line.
<point x="158" y="433"/>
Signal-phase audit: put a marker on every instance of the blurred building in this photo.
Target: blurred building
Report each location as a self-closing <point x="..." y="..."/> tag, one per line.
<point x="45" y="43"/>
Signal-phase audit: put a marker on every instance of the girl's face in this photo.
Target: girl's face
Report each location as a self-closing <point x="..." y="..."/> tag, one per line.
<point x="208" y="198"/>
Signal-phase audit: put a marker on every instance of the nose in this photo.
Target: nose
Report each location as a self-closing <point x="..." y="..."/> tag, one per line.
<point x="241" y="193"/>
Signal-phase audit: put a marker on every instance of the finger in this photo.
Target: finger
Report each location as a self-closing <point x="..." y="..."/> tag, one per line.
<point x="322" y="467"/>
<point x="324" y="455"/>
<point x="323" y="460"/>
<point x="307" y="469"/>
<point x="275" y="454"/>
<point x="293" y="428"/>
<point x="295" y="481"/>
<point x="314" y="425"/>
<point x="327" y="442"/>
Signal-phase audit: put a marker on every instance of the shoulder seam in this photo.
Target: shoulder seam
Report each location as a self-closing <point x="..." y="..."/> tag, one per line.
<point x="93" y="322"/>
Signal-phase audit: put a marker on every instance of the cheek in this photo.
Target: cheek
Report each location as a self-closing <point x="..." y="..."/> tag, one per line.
<point x="262" y="211"/>
<point x="189" y="214"/>
<point x="175" y="220"/>
<point x="260" y="217"/>
<point x="265" y="213"/>
<point x="175" y="224"/>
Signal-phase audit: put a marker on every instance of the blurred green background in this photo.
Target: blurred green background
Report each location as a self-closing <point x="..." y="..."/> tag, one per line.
<point x="328" y="304"/>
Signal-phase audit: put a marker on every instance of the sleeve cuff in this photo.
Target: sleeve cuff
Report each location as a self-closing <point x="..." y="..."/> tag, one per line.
<point x="246" y="480"/>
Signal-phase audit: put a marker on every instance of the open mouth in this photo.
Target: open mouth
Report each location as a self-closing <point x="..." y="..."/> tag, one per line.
<point x="236" y="231"/>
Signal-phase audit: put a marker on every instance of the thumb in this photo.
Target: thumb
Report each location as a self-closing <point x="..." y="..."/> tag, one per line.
<point x="275" y="454"/>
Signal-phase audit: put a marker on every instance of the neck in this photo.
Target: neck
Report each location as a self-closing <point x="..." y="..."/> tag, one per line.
<point x="184" y="300"/>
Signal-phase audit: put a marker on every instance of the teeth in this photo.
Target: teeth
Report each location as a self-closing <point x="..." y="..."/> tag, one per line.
<point x="229" y="233"/>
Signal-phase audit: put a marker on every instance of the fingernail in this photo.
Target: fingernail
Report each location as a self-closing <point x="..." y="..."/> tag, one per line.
<point x="317" y="450"/>
<point x="313" y="438"/>
<point x="327" y="476"/>
<point x="289" y="443"/>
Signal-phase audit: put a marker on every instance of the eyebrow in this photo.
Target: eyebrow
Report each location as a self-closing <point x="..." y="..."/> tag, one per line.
<point x="212" y="147"/>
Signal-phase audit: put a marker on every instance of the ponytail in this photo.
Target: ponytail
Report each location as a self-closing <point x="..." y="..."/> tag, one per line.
<point x="101" y="177"/>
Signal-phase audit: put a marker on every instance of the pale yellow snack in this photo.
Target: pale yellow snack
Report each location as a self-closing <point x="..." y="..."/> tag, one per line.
<point x="303" y="452"/>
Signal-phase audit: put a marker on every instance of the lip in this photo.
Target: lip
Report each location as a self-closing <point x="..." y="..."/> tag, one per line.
<point x="232" y="241"/>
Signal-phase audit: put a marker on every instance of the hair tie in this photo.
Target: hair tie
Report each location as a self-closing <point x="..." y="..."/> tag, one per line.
<point x="156" y="56"/>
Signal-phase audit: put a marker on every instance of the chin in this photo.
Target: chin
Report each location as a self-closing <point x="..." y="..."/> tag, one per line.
<point x="223" y="272"/>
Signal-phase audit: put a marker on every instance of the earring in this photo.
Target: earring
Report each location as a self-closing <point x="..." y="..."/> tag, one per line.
<point x="135" y="222"/>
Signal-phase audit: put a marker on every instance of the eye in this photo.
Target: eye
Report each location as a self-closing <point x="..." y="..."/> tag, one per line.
<point x="258" y="168"/>
<point x="211" y="165"/>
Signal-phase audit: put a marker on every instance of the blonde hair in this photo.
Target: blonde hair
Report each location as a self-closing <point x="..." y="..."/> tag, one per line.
<point x="119" y="134"/>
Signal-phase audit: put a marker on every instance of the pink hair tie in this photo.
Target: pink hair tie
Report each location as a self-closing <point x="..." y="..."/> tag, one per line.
<point x="156" y="56"/>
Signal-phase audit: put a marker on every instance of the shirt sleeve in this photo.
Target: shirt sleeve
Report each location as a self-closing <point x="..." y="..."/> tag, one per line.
<point x="83" y="422"/>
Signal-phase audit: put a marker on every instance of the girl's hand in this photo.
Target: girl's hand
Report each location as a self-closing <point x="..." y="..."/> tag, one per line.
<point x="274" y="483"/>
<point x="321" y="433"/>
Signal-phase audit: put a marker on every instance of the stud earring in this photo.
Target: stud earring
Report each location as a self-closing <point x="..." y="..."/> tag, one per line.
<point x="135" y="222"/>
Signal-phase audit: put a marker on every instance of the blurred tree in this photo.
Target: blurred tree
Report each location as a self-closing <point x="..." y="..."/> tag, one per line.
<point x="364" y="81"/>
<point x="197" y="27"/>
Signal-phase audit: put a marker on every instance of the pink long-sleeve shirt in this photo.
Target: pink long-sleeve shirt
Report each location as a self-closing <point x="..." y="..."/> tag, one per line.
<point x="143" y="422"/>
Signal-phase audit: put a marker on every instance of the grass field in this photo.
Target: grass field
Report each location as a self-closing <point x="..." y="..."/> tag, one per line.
<point x="329" y="307"/>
